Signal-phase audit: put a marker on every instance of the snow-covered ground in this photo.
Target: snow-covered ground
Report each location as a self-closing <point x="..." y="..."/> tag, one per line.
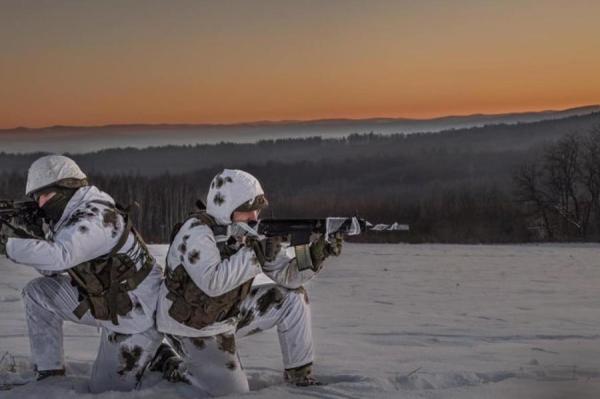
<point x="395" y="321"/>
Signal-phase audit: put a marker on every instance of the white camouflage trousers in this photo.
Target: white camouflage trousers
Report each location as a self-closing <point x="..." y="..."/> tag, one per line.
<point x="122" y="358"/>
<point x="212" y="364"/>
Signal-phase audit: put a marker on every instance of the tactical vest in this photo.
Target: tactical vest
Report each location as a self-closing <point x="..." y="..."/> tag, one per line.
<point x="104" y="283"/>
<point x="191" y="306"/>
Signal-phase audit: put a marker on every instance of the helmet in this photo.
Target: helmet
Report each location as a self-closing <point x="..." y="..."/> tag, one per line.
<point x="233" y="190"/>
<point x="54" y="170"/>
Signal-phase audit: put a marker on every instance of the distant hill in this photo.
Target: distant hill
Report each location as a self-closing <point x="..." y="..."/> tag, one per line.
<point x="450" y="186"/>
<point x="495" y="139"/>
<point x="75" y="139"/>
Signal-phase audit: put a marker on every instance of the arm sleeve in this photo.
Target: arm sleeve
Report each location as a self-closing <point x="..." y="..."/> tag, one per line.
<point x="284" y="271"/>
<point x="202" y="261"/>
<point x="71" y="246"/>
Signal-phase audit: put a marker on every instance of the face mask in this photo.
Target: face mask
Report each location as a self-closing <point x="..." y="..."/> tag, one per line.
<point x="54" y="208"/>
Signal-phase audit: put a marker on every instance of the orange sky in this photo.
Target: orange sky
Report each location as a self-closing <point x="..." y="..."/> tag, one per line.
<point x="93" y="63"/>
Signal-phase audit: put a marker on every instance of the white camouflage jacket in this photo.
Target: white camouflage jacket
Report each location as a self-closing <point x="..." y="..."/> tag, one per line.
<point x="195" y="247"/>
<point x="88" y="230"/>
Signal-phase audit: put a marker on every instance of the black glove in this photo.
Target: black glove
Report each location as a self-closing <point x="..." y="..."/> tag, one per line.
<point x="322" y="249"/>
<point x="266" y="250"/>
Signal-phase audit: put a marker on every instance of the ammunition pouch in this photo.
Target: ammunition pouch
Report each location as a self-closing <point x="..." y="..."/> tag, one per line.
<point x="194" y="308"/>
<point x="104" y="283"/>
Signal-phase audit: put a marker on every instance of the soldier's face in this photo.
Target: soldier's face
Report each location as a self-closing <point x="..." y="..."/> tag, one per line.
<point x="43" y="198"/>
<point x="250" y="216"/>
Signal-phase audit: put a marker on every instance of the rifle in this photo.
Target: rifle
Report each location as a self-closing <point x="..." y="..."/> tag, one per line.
<point x="298" y="232"/>
<point x="16" y="215"/>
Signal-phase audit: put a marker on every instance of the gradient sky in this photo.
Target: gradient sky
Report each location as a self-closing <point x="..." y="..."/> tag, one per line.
<point x="103" y="62"/>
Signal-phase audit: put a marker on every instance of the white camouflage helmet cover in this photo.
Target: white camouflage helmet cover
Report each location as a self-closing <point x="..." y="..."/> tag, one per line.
<point x="229" y="190"/>
<point x="49" y="170"/>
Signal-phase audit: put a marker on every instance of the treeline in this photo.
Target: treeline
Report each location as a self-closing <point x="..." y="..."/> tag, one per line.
<point x="472" y="186"/>
<point x="438" y="200"/>
<point x="560" y="190"/>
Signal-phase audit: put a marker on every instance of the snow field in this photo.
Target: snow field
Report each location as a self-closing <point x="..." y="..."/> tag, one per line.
<point x="394" y="321"/>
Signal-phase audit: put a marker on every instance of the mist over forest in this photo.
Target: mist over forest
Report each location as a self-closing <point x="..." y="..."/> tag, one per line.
<point x="459" y="185"/>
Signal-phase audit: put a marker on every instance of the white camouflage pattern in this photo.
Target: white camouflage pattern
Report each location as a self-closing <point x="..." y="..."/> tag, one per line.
<point x="284" y="304"/>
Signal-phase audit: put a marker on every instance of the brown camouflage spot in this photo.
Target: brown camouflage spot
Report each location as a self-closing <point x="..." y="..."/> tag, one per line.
<point x="254" y="291"/>
<point x="186" y="237"/>
<point x="199" y="343"/>
<point x="273" y="297"/>
<point x="129" y="359"/>
<point x="219" y="181"/>
<point x="115" y="337"/>
<point x="83" y="229"/>
<point x="78" y="216"/>
<point x="226" y="343"/>
<point x="246" y="319"/>
<point x="255" y="331"/>
<point x="219" y="199"/>
<point x="193" y="256"/>
<point x="303" y="291"/>
<point x="110" y="219"/>
<point x="231" y="365"/>
<point x="182" y="248"/>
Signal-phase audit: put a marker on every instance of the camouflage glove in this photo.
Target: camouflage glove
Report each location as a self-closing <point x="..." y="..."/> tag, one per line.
<point x="266" y="250"/>
<point x="321" y="250"/>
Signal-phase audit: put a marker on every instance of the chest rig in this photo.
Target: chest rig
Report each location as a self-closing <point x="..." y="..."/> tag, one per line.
<point x="104" y="283"/>
<point x="191" y="306"/>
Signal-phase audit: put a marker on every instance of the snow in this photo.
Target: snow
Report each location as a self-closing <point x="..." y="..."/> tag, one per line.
<point x="409" y="321"/>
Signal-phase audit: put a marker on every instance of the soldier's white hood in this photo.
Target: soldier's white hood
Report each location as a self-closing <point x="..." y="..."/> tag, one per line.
<point x="228" y="190"/>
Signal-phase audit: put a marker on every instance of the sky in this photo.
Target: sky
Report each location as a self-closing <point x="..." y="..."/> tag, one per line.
<point x="117" y="62"/>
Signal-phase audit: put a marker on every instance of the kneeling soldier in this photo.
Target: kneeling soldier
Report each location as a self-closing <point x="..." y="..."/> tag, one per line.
<point x="207" y="299"/>
<point x="97" y="271"/>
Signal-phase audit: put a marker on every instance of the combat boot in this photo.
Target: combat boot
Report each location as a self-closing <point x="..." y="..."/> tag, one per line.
<point x="301" y="376"/>
<point x="43" y="374"/>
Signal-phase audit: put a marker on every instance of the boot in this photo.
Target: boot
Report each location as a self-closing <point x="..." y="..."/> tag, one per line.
<point x="168" y="362"/>
<point x="301" y="376"/>
<point x="43" y="374"/>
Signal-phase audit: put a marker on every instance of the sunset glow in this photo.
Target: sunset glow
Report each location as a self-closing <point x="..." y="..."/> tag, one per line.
<point x="96" y="63"/>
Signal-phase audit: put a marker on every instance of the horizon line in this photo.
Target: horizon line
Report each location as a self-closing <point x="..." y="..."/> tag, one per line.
<point x="299" y="121"/>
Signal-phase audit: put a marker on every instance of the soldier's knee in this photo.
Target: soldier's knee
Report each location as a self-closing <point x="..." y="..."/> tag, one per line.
<point x="296" y="299"/>
<point x="33" y="288"/>
<point x="299" y="296"/>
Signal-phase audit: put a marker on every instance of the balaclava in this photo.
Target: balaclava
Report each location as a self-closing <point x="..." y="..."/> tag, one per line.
<point x="54" y="208"/>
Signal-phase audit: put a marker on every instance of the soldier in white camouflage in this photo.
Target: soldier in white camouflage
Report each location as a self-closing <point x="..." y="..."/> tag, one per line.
<point x="208" y="301"/>
<point x="96" y="271"/>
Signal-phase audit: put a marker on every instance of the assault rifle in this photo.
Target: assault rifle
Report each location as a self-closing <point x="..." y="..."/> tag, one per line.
<point x="24" y="218"/>
<point x="298" y="232"/>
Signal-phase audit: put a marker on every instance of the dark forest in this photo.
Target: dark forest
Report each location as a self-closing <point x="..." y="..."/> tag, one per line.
<point x="502" y="183"/>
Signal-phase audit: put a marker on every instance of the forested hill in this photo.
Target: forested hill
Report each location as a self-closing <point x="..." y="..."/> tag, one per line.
<point x="455" y="186"/>
<point x="181" y="159"/>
